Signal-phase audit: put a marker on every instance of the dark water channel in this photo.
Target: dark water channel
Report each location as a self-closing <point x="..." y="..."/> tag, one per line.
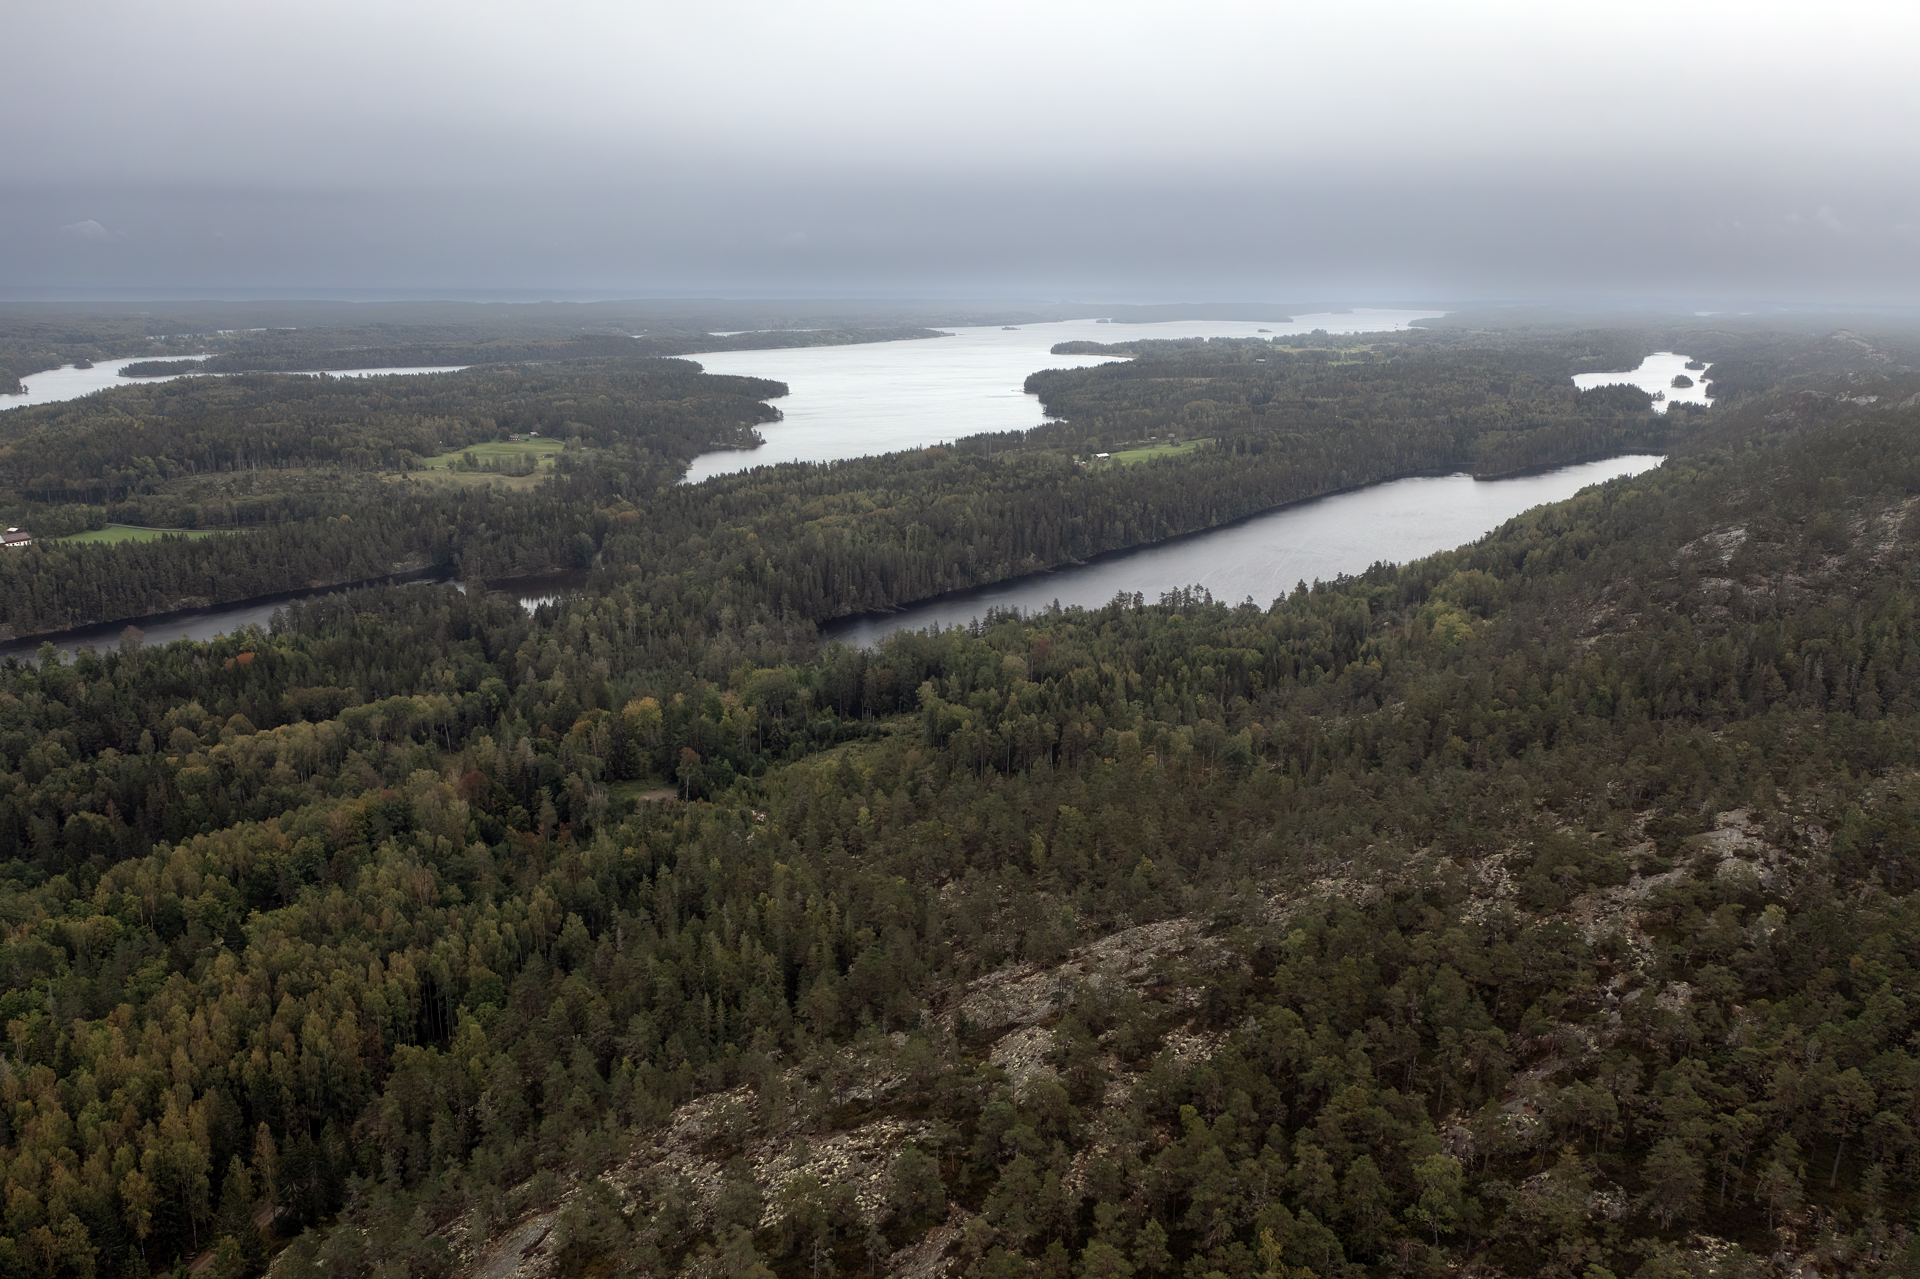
<point x="206" y="623"/>
<point x="1265" y="555"/>
<point x="1261" y="557"/>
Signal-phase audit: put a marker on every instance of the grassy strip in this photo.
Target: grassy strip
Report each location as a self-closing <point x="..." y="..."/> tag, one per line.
<point x="497" y="451"/>
<point x="1129" y="457"/>
<point x="115" y="533"/>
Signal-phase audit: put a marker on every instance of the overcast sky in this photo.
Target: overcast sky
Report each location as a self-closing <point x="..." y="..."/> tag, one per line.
<point x="1385" y="151"/>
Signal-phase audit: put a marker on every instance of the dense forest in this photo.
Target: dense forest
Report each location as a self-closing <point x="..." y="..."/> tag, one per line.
<point x="312" y="335"/>
<point x="314" y="472"/>
<point x="1486" y="410"/>
<point x="35" y="341"/>
<point x="1542" y="907"/>
<point x="132" y="440"/>
<point x="304" y="350"/>
<point x="284" y="459"/>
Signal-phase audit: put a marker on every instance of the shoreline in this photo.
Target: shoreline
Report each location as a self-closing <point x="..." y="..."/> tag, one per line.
<point x="848" y="621"/>
<point x="107" y="633"/>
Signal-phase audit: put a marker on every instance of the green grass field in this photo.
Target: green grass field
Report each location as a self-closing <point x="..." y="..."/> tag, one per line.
<point x="1128" y="457"/>
<point x="440" y="468"/>
<point x="128" y="533"/>
<point x="502" y="451"/>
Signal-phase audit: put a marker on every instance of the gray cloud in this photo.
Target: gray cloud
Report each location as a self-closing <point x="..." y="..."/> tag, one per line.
<point x="1393" y="149"/>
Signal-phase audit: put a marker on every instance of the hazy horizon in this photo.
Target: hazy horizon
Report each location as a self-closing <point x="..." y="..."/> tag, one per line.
<point x="1661" y="154"/>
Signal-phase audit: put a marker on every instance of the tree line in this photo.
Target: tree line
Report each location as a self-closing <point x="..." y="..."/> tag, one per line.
<point x="1490" y="410"/>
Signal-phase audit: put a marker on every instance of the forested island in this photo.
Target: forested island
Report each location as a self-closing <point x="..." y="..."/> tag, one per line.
<point x="327" y="477"/>
<point x="1542" y="907"/>
<point x="310" y="336"/>
<point x="297" y="352"/>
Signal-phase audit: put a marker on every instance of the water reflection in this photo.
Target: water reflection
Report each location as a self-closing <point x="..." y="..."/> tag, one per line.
<point x="1264" y="556"/>
<point x="1655" y="376"/>
<point x="51" y="386"/>
<point x="881" y="397"/>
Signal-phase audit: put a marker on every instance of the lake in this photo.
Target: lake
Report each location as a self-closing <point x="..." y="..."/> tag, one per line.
<point x="876" y="397"/>
<point x="881" y="397"/>
<point x="852" y="400"/>
<point x="1262" y="556"/>
<point x="70" y="383"/>
<point x="1655" y="376"/>
<point x="1265" y="555"/>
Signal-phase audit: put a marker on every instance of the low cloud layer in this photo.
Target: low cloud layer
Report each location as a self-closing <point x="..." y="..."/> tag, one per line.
<point x="1388" y="151"/>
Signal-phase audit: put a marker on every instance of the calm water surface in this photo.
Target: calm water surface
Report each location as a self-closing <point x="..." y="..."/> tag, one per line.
<point x="1655" y="376"/>
<point x="211" y="623"/>
<point x="1266" y="555"/>
<point x="880" y="397"/>
<point x="854" y="400"/>
<point x="70" y="383"/>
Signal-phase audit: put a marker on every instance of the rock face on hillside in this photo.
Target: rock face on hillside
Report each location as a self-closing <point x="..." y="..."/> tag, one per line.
<point x="839" y="1132"/>
<point x="711" y="1146"/>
